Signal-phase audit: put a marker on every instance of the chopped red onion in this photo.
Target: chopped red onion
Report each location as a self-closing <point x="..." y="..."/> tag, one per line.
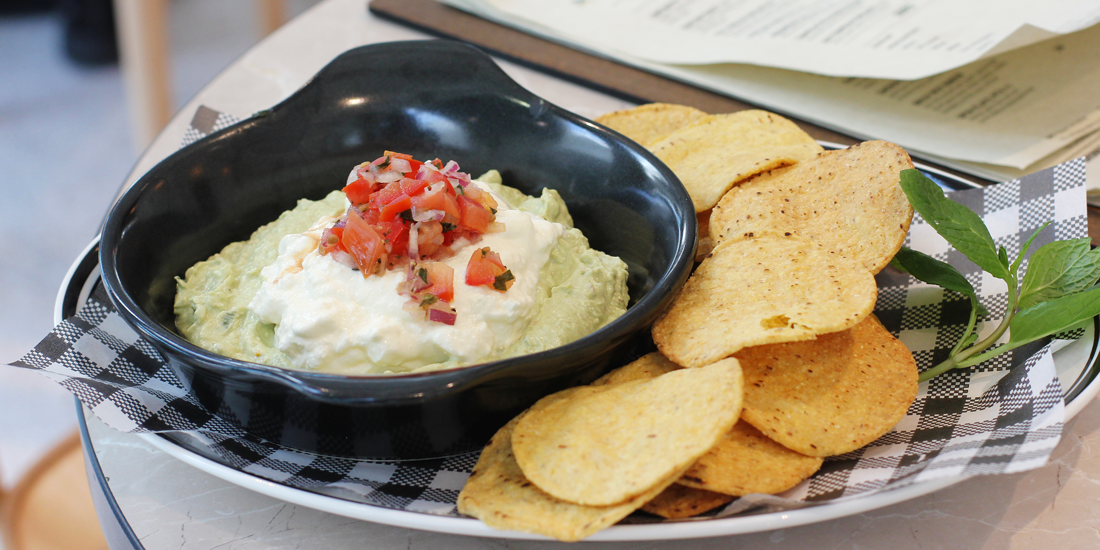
<point x="427" y="215"/>
<point x="414" y="245"/>
<point x="344" y="259"/>
<point x="440" y="316"/>
<point x="366" y="174"/>
<point x="424" y="170"/>
<point x="390" y="176"/>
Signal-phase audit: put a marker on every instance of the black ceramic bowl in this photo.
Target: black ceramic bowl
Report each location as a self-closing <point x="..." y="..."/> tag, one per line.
<point x="430" y="99"/>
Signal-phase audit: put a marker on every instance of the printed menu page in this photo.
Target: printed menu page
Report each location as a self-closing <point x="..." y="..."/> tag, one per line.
<point x="894" y="39"/>
<point x="1012" y="109"/>
<point x="1028" y="107"/>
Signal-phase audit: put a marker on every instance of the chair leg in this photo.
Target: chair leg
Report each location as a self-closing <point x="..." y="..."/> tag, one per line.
<point x="272" y="15"/>
<point x="143" y="40"/>
<point x="51" y="507"/>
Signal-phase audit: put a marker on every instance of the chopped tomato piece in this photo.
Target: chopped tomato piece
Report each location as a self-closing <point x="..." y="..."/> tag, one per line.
<point x="388" y="193"/>
<point x="487" y="201"/>
<point x="472" y="215"/>
<point x="441" y="277"/>
<point x="480" y="271"/>
<point x="370" y="216"/>
<point x="330" y="240"/>
<point x="437" y="199"/>
<point x="413" y="186"/>
<point x="364" y="244"/>
<point x="359" y="191"/>
<point x="394" y="155"/>
<point x="394" y="207"/>
<point x="395" y="235"/>
<point x="486" y="269"/>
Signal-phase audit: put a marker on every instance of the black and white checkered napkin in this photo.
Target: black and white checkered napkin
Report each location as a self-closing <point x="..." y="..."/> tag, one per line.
<point x="977" y="421"/>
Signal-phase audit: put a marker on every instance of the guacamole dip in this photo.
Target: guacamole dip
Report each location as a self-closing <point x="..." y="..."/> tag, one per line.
<point x="277" y="299"/>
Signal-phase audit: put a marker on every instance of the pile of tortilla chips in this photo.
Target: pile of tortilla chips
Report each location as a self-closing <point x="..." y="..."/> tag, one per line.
<point x="769" y="361"/>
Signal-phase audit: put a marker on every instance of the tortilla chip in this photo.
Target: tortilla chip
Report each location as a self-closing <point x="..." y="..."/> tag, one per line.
<point x="648" y="366"/>
<point x="678" y="501"/>
<point x="762" y="291"/>
<point x="613" y="443"/>
<point x="832" y="395"/>
<point x="648" y="123"/>
<point x="746" y="461"/>
<point x="849" y="201"/>
<point x="716" y="152"/>
<point x="499" y="495"/>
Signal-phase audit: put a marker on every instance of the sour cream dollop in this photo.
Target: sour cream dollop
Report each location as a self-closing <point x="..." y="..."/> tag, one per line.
<point x="330" y="317"/>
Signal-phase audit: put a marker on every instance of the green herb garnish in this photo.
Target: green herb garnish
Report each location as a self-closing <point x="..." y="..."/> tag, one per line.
<point x="500" y="282"/>
<point x="1058" y="291"/>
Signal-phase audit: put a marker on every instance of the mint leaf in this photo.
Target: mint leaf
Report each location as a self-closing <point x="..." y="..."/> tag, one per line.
<point x="932" y="271"/>
<point x="1059" y="268"/>
<point x="1015" y="267"/>
<point x="1056" y="294"/>
<point x="1053" y="316"/>
<point x="959" y="225"/>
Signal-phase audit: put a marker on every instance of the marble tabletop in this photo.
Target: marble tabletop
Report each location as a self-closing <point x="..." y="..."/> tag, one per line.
<point x="168" y="504"/>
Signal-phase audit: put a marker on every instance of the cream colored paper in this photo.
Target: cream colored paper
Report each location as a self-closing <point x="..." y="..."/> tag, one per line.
<point x="896" y="39"/>
<point x="1016" y="112"/>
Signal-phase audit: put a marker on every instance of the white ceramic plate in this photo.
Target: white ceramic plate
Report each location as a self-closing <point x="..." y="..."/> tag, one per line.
<point x="1075" y="363"/>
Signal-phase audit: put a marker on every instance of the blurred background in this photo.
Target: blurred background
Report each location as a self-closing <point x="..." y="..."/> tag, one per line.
<point x="66" y="144"/>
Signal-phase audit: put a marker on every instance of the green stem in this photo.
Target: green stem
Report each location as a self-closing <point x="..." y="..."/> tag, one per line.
<point x="937" y="370"/>
<point x="969" y="326"/>
<point x="959" y="360"/>
<point x="1010" y="311"/>
<point x="984" y="356"/>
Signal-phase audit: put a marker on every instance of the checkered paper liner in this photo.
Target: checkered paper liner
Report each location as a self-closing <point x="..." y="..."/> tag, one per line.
<point x="1003" y="416"/>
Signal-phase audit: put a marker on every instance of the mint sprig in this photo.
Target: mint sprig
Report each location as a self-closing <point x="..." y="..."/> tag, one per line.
<point x="1058" y="291"/>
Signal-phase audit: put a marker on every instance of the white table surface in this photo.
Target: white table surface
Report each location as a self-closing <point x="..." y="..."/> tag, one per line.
<point x="171" y="505"/>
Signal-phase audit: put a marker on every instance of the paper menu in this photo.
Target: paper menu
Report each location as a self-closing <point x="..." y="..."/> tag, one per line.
<point x="895" y="39"/>
<point x="998" y="117"/>
<point x="1012" y="109"/>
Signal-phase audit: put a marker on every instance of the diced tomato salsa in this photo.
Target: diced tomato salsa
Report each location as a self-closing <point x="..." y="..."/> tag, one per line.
<point x="406" y="214"/>
<point x="486" y="269"/>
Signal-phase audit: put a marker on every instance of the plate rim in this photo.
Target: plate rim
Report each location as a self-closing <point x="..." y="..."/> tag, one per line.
<point x="667" y="530"/>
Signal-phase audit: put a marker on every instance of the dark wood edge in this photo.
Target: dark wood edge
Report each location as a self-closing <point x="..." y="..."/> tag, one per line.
<point x="1094" y="224"/>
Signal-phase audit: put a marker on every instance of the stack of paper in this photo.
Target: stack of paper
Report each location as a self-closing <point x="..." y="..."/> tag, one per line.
<point x="997" y="89"/>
